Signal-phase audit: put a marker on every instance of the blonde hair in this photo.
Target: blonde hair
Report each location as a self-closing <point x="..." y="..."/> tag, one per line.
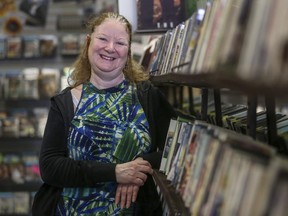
<point x="81" y="69"/>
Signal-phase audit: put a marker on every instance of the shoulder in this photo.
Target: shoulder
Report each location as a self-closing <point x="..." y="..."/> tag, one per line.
<point x="65" y="93"/>
<point x="148" y="93"/>
<point x="145" y="86"/>
<point x="62" y="102"/>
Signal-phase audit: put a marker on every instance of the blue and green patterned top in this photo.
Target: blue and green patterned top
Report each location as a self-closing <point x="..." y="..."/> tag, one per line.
<point x="109" y="126"/>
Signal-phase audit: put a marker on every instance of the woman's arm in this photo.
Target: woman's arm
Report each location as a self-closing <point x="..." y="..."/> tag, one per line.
<point x="55" y="166"/>
<point x="59" y="170"/>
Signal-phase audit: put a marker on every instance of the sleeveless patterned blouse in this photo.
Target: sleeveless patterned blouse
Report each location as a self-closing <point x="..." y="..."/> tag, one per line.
<point x="109" y="126"/>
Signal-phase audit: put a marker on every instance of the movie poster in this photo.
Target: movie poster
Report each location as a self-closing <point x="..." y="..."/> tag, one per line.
<point x="35" y="11"/>
<point x="157" y="15"/>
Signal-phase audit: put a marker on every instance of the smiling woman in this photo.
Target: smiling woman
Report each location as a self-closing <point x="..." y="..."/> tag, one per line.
<point x="119" y="29"/>
<point x="102" y="140"/>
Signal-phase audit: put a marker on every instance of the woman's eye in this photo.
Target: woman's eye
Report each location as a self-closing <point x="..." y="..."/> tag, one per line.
<point x="121" y="43"/>
<point x="102" y="39"/>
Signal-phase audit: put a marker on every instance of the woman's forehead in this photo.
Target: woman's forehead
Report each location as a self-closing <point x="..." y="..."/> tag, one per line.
<point x="112" y="26"/>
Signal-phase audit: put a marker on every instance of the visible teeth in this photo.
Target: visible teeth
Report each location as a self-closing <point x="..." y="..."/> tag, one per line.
<point x="107" y="58"/>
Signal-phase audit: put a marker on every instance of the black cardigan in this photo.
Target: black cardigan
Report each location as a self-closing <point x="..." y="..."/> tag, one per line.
<point x="58" y="171"/>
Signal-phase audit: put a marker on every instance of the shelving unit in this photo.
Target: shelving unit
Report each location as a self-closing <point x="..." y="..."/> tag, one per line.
<point x="211" y="54"/>
<point x="167" y="191"/>
<point x="27" y="103"/>
<point x="26" y="187"/>
<point x="19" y="154"/>
<point x="215" y="83"/>
<point x="221" y="80"/>
<point x="20" y="144"/>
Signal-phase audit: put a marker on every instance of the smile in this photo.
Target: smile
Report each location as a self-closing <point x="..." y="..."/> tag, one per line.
<point x="107" y="58"/>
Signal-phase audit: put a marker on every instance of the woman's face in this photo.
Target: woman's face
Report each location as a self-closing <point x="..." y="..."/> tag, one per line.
<point x="108" y="48"/>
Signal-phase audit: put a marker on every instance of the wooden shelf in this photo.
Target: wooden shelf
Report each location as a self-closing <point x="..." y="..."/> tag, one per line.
<point x="20" y="63"/>
<point x="26" y="103"/>
<point x="222" y="80"/>
<point x="13" y="214"/>
<point x="173" y="200"/>
<point x="13" y="187"/>
<point x="197" y="81"/>
<point x="20" y="144"/>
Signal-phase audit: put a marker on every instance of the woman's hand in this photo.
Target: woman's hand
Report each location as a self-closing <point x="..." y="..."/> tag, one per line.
<point x="126" y="194"/>
<point x="133" y="172"/>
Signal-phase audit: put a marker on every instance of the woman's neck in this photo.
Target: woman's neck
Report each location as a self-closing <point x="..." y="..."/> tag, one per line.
<point x="101" y="82"/>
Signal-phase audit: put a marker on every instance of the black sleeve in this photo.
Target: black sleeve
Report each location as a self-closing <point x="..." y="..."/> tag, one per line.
<point x="59" y="170"/>
<point x="158" y="112"/>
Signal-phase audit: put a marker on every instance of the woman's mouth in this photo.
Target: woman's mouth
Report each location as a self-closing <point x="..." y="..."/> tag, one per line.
<point x="107" y="58"/>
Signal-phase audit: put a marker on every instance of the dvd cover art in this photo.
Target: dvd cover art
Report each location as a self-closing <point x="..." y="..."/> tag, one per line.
<point x="26" y="127"/>
<point x="30" y="83"/>
<point x="21" y="202"/>
<point x="47" y="46"/>
<point x="40" y="115"/>
<point x="13" y="84"/>
<point x="14" y="47"/>
<point x="10" y="127"/>
<point x="70" y="45"/>
<point x="2" y="48"/>
<point x="159" y="14"/>
<point x="14" y="203"/>
<point x="31" y="47"/>
<point x="6" y="203"/>
<point x="3" y="115"/>
<point x="31" y="166"/>
<point x="16" y="168"/>
<point x="49" y="82"/>
<point x="4" y="169"/>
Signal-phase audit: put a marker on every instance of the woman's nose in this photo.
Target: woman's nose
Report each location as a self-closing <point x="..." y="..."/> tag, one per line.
<point x="110" y="47"/>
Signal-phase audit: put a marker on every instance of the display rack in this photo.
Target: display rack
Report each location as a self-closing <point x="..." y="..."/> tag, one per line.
<point x="207" y="67"/>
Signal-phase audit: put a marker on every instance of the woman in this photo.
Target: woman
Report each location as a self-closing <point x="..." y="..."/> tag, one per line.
<point x="104" y="133"/>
